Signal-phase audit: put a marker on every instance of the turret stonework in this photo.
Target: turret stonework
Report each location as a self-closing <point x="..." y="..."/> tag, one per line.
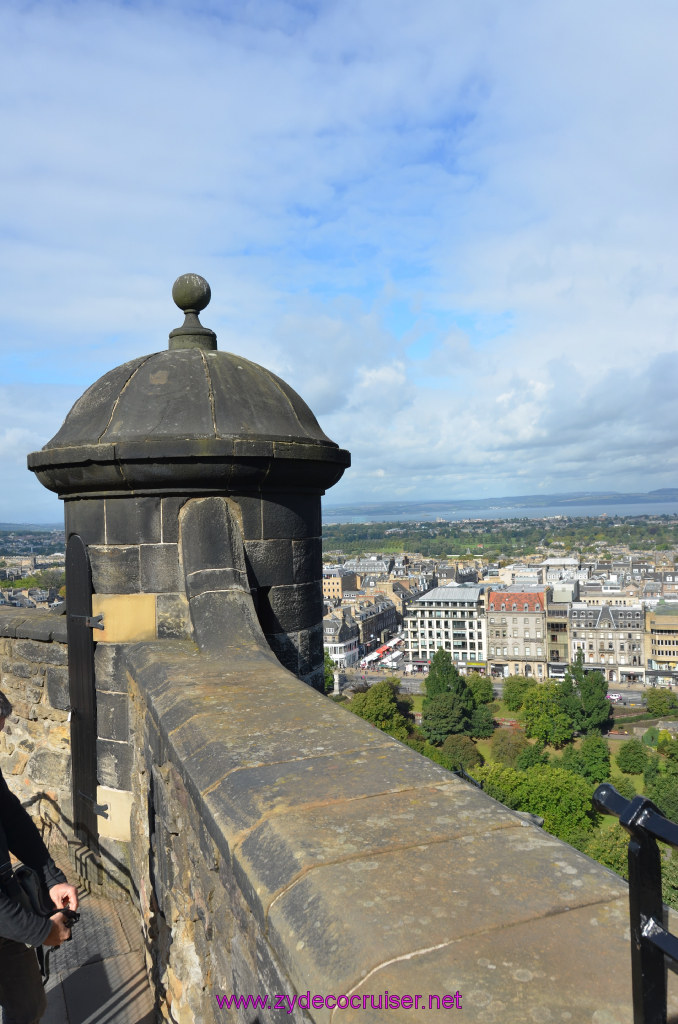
<point x="191" y="422"/>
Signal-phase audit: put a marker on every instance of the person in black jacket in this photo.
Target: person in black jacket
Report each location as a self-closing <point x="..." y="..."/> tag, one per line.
<point x="22" y="996"/>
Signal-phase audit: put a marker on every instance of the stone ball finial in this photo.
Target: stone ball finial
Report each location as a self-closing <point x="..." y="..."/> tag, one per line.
<point x="191" y="292"/>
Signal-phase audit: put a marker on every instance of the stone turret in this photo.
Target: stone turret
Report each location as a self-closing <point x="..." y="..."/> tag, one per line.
<point x="190" y="422"/>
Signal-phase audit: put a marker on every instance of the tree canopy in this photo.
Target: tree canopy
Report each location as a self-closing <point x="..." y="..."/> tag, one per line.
<point x="515" y="688"/>
<point x="632" y="757"/>
<point x="379" y="705"/>
<point x="660" y="702"/>
<point x="444" y="714"/>
<point x="544" y="717"/>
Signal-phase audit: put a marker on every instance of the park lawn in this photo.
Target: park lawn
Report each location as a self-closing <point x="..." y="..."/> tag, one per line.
<point x="417" y="701"/>
<point x="485" y="748"/>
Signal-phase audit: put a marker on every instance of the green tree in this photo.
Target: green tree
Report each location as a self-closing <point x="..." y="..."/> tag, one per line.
<point x="660" y="702"/>
<point x="670" y="878"/>
<point x="632" y="757"/>
<point x="480" y="687"/>
<point x="379" y="705"/>
<point x="651" y="736"/>
<point x="462" y="751"/>
<point x="583" y="696"/>
<point x="563" y="800"/>
<point x="443" y="674"/>
<point x="544" y="717"/>
<point x="515" y="688"/>
<point x="508" y="745"/>
<point x="609" y="846"/>
<point x="568" y="699"/>
<point x="482" y="722"/>
<point x="595" y="755"/>
<point x="664" y="791"/>
<point x="651" y="771"/>
<point x="534" y="754"/>
<point x="572" y="761"/>
<point x="503" y="783"/>
<point x="595" y="707"/>
<point x="445" y="713"/>
<point x="329" y="673"/>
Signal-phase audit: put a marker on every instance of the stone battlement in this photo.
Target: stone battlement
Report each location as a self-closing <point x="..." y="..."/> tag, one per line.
<point x="279" y="844"/>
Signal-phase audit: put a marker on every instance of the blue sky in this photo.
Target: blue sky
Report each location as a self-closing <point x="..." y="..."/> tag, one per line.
<point x="449" y="224"/>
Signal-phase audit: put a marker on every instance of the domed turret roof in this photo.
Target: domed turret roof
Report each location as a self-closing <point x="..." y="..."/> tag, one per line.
<point x="190" y="402"/>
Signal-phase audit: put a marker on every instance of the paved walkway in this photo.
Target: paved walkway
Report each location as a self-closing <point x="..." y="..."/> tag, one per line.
<point x="99" y="976"/>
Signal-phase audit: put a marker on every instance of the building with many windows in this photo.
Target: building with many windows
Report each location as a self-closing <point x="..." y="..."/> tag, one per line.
<point x="611" y="640"/>
<point x="516" y="630"/>
<point x="661" y="645"/>
<point x="341" y="639"/>
<point x="451" y="617"/>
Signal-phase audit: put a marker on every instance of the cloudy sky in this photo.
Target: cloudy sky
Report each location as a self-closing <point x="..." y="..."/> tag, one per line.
<point x="451" y="225"/>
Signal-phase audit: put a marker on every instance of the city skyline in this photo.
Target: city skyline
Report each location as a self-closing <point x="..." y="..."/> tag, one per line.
<point x="449" y="227"/>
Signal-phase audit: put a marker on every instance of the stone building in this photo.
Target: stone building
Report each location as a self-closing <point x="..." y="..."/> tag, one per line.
<point x="341" y="638"/>
<point x="377" y="620"/>
<point x="516" y="632"/>
<point x="611" y="640"/>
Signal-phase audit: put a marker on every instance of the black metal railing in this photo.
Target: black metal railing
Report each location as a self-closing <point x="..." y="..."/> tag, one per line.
<point x="650" y="941"/>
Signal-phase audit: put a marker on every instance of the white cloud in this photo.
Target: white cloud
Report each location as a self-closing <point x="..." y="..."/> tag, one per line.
<point x="451" y="227"/>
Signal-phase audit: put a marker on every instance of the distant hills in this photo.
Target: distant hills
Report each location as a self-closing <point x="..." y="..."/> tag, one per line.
<point x="21" y="527"/>
<point x="572" y="502"/>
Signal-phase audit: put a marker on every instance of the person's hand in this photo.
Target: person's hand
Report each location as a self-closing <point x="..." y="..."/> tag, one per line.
<point x="59" y="932"/>
<point x="64" y="896"/>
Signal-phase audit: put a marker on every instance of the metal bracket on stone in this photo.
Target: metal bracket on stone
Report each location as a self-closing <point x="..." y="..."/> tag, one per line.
<point x="101" y="810"/>
<point x="90" y="621"/>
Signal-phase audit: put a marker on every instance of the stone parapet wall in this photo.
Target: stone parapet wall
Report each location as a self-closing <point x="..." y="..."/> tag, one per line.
<point x="281" y="845"/>
<point x="35" y="744"/>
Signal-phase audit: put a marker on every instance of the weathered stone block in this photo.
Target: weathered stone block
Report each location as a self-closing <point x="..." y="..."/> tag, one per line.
<point x="85" y="516"/>
<point x="112" y="716"/>
<point x="160" y="572"/>
<point x="251" y="517"/>
<point x="310" y="642"/>
<point x="57" y="688"/>
<point x="114" y="764"/>
<point x="269" y="562"/>
<point x="290" y="608"/>
<point x="115" y="569"/>
<point x="173" y="618"/>
<point x="285" y="647"/>
<point x="47" y="653"/>
<point x="169" y="512"/>
<point x="296" y="517"/>
<point x="133" y="520"/>
<point x="210" y="580"/>
<point x="38" y="625"/>
<point x="20" y="669"/>
<point x="307" y="561"/>
<point x="49" y="767"/>
<point x="109" y="667"/>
